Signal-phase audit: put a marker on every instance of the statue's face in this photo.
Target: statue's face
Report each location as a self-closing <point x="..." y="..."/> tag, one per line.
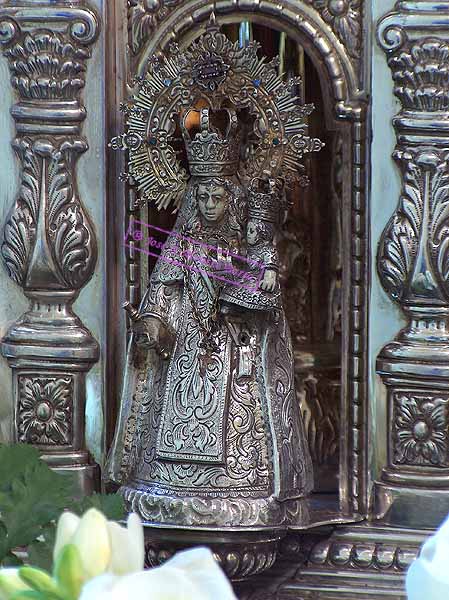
<point x="212" y="201"/>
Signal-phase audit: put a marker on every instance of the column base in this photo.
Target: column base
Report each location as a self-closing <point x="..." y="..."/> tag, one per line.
<point x="413" y="490"/>
<point x="50" y="352"/>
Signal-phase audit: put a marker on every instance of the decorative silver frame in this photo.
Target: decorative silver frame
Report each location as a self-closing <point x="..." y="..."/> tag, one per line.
<point x="371" y="556"/>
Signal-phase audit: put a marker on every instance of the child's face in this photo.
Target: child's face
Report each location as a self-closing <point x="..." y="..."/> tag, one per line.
<point x="251" y="233"/>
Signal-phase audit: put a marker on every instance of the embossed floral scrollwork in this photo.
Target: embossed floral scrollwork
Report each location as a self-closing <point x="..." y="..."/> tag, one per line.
<point x="44" y="412"/>
<point x="344" y="16"/>
<point x="420" y="429"/>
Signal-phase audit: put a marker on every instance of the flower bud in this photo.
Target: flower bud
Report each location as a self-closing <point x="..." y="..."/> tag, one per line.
<point x="128" y="547"/>
<point x="93" y="542"/>
<point x="11" y="583"/>
<point x="67" y="525"/>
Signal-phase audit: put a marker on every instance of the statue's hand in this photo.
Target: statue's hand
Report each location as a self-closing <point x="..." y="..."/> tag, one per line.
<point x="147" y="333"/>
<point x="268" y="283"/>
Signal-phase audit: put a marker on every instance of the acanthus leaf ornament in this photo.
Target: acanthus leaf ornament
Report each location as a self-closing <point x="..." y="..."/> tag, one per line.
<point x="45" y="66"/>
<point x="48" y="218"/>
<point x="413" y="255"/>
<point x="421" y="75"/>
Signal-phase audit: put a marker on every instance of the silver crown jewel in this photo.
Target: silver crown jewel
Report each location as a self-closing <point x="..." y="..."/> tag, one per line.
<point x="210" y="151"/>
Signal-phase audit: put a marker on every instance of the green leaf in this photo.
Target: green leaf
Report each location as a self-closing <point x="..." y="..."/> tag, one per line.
<point x="111" y="505"/>
<point x="69" y="571"/>
<point x="14" y="460"/>
<point x="40" y="551"/>
<point x="32" y="497"/>
<point x="4" y="549"/>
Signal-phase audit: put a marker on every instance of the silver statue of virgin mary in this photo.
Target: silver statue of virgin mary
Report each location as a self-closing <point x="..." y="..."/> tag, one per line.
<point x="210" y="432"/>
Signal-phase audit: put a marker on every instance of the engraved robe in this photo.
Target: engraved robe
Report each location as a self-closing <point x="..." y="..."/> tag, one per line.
<point x="215" y="440"/>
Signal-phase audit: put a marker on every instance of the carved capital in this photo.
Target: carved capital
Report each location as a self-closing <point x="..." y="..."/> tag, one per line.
<point x="413" y="20"/>
<point x="420" y="73"/>
<point x="76" y="22"/>
<point x="49" y="245"/>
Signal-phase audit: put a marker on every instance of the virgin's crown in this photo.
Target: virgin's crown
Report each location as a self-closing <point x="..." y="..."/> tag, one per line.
<point x="213" y="150"/>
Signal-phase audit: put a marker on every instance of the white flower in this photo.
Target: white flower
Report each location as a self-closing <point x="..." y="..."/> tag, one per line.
<point x="104" y="546"/>
<point x="190" y="575"/>
<point x="428" y="575"/>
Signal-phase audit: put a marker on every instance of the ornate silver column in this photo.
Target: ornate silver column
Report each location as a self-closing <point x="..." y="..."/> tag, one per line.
<point x="413" y="264"/>
<point x="49" y="245"/>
